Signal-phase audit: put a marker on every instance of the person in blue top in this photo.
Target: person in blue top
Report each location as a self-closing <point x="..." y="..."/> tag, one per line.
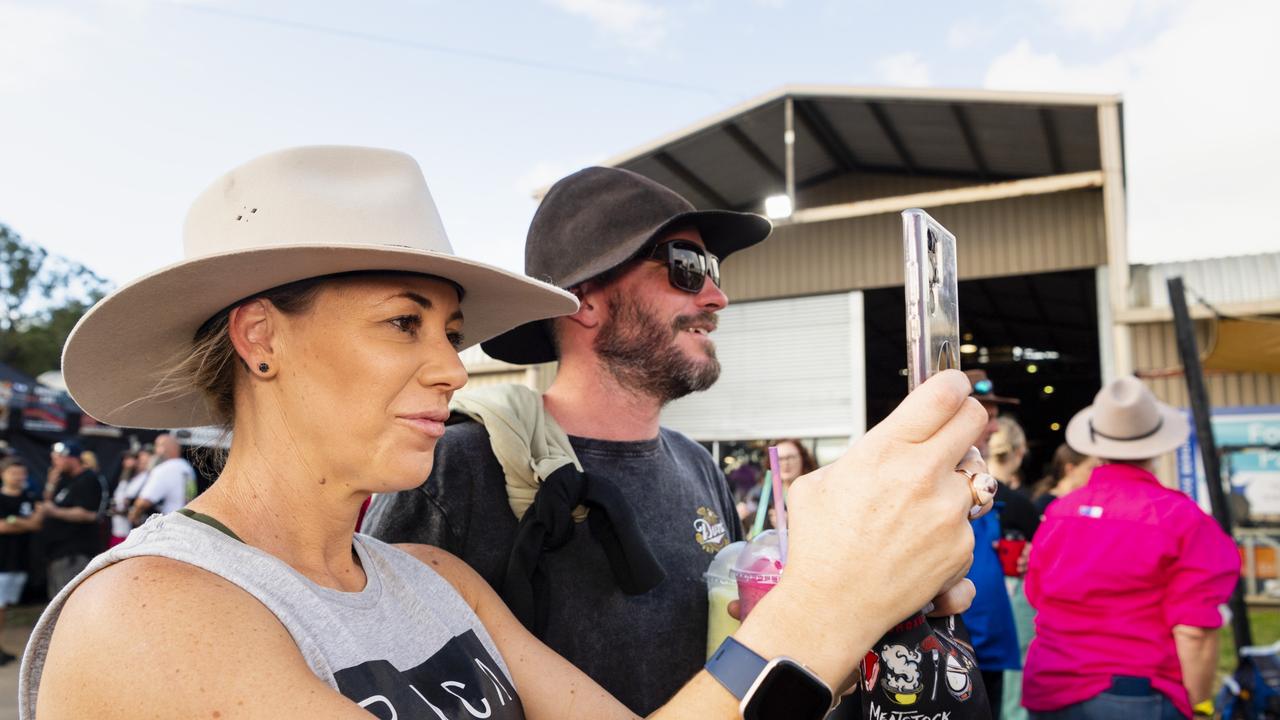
<point x="990" y="617"/>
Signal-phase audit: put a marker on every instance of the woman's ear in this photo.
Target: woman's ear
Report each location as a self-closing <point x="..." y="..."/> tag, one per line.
<point x="252" y="328"/>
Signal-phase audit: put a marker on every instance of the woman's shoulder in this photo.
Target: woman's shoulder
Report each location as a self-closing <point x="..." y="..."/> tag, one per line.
<point x="148" y="596"/>
<point x="448" y="566"/>
<point x="188" y="625"/>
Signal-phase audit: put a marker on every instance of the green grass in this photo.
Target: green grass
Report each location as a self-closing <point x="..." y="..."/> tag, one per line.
<point x="1266" y="630"/>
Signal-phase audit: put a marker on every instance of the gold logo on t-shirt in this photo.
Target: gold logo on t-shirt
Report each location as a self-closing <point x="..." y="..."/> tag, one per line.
<point x="710" y="531"/>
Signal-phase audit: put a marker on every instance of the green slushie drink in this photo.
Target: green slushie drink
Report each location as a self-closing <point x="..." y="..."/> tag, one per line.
<point x="722" y="589"/>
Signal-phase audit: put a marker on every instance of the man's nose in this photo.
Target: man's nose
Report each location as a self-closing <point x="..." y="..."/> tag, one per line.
<point x="711" y="297"/>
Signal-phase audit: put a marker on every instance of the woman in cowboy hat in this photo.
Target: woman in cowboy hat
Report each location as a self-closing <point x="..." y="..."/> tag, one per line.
<point x="1126" y="575"/>
<point x="318" y="314"/>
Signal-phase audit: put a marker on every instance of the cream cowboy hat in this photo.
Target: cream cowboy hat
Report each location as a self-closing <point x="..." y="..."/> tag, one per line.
<point x="1126" y="422"/>
<point x="287" y="216"/>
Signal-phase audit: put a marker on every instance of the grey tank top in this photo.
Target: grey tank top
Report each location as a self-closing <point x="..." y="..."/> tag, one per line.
<point x="407" y="646"/>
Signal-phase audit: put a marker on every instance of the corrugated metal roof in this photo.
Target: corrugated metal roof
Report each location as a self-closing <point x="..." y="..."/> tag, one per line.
<point x="1017" y="236"/>
<point x="737" y="158"/>
<point x="1246" y="278"/>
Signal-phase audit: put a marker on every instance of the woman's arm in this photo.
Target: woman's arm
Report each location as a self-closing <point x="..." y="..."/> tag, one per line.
<point x="553" y="689"/>
<point x="550" y="687"/>
<point x="872" y="537"/>
<point x="152" y="637"/>
<point x="15" y="525"/>
<point x="1198" y="655"/>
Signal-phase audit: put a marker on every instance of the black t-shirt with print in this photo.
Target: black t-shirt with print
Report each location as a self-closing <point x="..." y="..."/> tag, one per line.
<point x="15" y="548"/>
<point x="641" y="648"/>
<point x="63" y="538"/>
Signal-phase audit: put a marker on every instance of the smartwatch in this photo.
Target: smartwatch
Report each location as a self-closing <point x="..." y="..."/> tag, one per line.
<point x="777" y="689"/>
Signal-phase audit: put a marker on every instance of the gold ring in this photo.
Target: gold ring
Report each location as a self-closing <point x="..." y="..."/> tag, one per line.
<point x="982" y="490"/>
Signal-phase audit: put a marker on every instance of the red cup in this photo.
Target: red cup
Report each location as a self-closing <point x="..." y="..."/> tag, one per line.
<point x="751" y="589"/>
<point x="1010" y="551"/>
<point x="758" y="569"/>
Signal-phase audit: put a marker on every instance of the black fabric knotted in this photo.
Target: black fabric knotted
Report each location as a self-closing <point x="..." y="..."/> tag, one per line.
<point x="548" y="525"/>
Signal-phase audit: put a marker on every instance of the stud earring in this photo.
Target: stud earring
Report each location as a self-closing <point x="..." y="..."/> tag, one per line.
<point x="263" y="367"/>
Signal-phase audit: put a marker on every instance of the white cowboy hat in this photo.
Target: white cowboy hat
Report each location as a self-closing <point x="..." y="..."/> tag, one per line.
<point x="287" y="216"/>
<point x="1126" y="422"/>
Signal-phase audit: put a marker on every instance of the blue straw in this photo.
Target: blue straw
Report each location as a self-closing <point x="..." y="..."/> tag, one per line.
<point x="762" y="510"/>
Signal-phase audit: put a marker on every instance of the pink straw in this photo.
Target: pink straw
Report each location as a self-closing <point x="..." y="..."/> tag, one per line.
<point x="779" y="503"/>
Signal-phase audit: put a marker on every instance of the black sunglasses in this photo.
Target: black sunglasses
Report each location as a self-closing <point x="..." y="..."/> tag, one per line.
<point x="688" y="265"/>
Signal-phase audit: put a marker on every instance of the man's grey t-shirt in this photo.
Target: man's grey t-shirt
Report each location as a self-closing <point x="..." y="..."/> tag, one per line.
<point x="641" y="648"/>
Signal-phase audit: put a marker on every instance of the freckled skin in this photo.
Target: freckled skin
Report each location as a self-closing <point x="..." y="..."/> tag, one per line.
<point x="344" y="375"/>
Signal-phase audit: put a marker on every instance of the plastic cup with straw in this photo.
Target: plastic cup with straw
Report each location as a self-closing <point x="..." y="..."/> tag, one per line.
<point x="759" y="566"/>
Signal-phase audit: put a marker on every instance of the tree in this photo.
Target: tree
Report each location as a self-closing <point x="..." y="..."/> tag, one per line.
<point x="42" y="296"/>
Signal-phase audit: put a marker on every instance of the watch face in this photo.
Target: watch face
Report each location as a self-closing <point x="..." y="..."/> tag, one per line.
<point x="788" y="692"/>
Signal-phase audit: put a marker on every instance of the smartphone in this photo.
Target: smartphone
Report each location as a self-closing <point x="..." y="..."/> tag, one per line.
<point x="933" y="312"/>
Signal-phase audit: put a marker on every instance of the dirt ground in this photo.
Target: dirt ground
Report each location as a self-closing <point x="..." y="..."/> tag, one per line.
<point x="13" y="640"/>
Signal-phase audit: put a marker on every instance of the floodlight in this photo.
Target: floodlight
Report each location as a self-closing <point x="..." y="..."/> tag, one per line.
<point x="777" y="207"/>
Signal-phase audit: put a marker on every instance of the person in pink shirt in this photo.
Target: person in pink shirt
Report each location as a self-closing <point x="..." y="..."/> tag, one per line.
<point x="1127" y="576"/>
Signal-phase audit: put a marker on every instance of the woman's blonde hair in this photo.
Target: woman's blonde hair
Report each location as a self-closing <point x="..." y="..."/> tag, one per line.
<point x="1007" y="440"/>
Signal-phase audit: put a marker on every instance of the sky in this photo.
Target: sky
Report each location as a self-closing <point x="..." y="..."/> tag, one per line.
<point x="115" y="114"/>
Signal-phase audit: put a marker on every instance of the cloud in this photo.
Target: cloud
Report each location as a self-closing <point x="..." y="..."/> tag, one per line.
<point x="1201" y="142"/>
<point x="544" y="173"/>
<point x="905" y="69"/>
<point x="1099" y="18"/>
<point x="1022" y="68"/>
<point x="634" y="23"/>
<point x="40" y="42"/>
<point x="967" y="33"/>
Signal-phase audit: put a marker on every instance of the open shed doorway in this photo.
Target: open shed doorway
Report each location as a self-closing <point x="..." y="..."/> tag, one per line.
<point x="1035" y="335"/>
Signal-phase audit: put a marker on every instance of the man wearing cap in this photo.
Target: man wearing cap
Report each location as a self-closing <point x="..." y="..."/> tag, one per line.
<point x="1127" y="575"/>
<point x="619" y="593"/>
<point x="71" y="512"/>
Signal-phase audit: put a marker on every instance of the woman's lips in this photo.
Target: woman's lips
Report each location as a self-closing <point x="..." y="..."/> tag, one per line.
<point x="427" y="426"/>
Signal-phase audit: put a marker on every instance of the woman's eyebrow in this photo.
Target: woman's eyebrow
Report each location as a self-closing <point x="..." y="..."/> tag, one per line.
<point x="425" y="303"/>
<point x="420" y="300"/>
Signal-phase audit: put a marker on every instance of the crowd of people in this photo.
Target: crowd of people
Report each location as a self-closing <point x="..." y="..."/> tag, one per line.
<point x="53" y="527"/>
<point x="540" y="555"/>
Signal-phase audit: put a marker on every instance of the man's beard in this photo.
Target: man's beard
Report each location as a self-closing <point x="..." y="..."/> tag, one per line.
<point x="641" y="353"/>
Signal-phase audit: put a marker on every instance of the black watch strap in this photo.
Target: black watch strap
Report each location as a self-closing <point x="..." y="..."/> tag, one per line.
<point x="735" y="666"/>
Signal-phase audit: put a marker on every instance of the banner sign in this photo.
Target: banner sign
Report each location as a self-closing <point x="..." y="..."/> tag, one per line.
<point x="44" y="411"/>
<point x="1251" y="438"/>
